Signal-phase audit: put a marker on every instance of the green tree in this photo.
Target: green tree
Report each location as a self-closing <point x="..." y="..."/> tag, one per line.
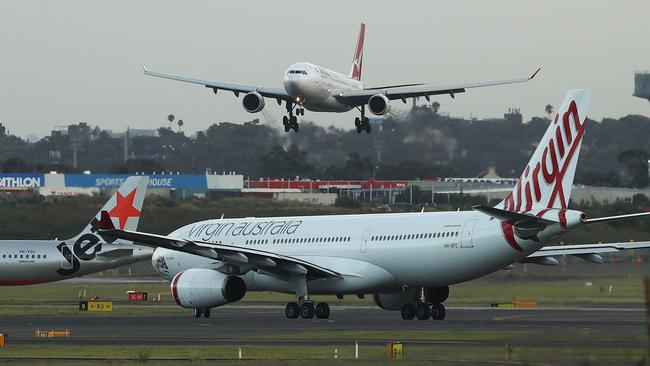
<point x="170" y="118"/>
<point x="549" y="110"/>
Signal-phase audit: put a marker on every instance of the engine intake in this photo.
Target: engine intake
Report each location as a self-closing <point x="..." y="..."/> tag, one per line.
<point x="199" y="288"/>
<point x="253" y="102"/>
<point x="379" y="104"/>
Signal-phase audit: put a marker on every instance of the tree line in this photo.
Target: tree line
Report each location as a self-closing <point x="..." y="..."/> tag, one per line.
<point x="417" y="144"/>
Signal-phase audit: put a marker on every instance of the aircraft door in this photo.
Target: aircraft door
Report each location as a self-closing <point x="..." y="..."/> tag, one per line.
<point x="467" y="235"/>
<point x="364" y="240"/>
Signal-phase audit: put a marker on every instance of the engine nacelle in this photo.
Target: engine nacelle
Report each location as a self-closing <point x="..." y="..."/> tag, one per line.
<point x="379" y="104"/>
<point x="253" y="102"/>
<point x="199" y="288"/>
<point x="394" y="301"/>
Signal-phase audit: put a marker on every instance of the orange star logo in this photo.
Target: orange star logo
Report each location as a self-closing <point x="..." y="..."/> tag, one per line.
<point x="124" y="208"/>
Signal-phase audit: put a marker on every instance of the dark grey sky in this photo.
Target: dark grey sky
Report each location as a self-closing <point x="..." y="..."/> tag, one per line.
<point x="64" y="62"/>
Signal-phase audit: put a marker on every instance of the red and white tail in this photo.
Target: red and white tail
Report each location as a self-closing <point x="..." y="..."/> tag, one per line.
<point x="357" y="62"/>
<point x="548" y="178"/>
<point x="124" y="207"/>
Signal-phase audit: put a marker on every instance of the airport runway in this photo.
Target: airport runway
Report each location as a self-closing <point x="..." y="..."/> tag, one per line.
<point x="262" y="325"/>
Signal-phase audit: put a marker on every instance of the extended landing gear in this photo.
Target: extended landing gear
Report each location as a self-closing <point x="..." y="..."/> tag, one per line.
<point x="429" y="305"/>
<point x="304" y="307"/>
<point x="290" y="121"/>
<point x="307" y="310"/>
<point x="204" y="312"/>
<point x="424" y="311"/>
<point x="363" y="123"/>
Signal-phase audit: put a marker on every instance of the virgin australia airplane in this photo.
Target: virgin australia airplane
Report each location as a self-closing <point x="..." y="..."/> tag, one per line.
<point x="28" y="262"/>
<point x="408" y="260"/>
<point x="313" y="87"/>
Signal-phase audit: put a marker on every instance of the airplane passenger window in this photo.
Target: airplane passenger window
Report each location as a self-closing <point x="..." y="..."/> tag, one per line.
<point x="33" y="256"/>
<point x="304" y="72"/>
<point x="21" y="256"/>
<point x="44" y="256"/>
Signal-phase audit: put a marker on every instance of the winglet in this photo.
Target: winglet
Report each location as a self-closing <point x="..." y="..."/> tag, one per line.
<point x="106" y="223"/>
<point x="144" y="68"/>
<point x="535" y="73"/>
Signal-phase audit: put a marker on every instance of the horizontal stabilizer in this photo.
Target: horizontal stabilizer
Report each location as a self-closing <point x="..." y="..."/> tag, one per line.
<point x="614" y="218"/>
<point x="589" y="252"/>
<point x="504" y="215"/>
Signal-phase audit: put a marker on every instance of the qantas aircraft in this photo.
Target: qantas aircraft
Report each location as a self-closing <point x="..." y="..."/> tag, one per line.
<point x="28" y="262"/>
<point x="408" y="260"/>
<point x="315" y="88"/>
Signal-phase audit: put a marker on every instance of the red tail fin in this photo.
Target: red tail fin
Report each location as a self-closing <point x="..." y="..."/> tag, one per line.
<point x="357" y="62"/>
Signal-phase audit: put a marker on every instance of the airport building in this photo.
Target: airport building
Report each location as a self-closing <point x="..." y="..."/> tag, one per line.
<point x="323" y="192"/>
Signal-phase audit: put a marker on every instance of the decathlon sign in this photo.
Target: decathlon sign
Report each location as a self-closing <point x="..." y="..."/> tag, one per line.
<point x="21" y="181"/>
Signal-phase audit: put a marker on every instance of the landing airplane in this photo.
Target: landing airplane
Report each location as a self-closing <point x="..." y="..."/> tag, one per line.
<point x="28" y="262"/>
<point x="318" y="89"/>
<point x="408" y="260"/>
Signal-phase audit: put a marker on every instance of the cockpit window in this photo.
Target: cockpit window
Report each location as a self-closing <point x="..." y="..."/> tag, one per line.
<point x="303" y="72"/>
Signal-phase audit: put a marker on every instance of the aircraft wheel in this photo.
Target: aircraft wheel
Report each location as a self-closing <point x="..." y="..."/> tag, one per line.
<point x="322" y="310"/>
<point x="357" y="122"/>
<point x="307" y="310"/>
<point x="368" y="128"/>
<point x="198" y="313"/>
<point x="408" y="312"/>
<point x="292" y="310"/>
<point x="206" y="313"/>
<point x="296" y="127"/>
<point x="422" y="312"/>
<point x="438" y="312"/>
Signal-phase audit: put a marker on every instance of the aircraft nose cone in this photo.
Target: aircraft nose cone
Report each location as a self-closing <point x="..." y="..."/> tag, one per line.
<point x="292" y="86"/>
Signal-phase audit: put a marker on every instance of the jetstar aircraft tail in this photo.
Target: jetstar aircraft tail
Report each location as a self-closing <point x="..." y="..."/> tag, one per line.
<point x="357" y="61"/>
<point x="548" y="178"/>
<point x="123" y="207"/>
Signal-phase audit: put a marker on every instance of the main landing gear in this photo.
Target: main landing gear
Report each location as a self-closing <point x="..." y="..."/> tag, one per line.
<point x="307" y="310"/>
<point x="429" y="305"/>
<point x="290" y="121"/>
<point x="304" y="308"/>
<point x="363" y="123"/>
<point x="204" y="312"/>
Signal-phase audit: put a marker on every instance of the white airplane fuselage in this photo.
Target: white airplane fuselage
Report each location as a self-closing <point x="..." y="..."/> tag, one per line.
<point x="373" y="252"/>
<point x="314" y="87"/>
<point x="28" y="262"/>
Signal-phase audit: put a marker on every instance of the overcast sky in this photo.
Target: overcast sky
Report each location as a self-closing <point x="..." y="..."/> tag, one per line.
<point x="64" y="62"/>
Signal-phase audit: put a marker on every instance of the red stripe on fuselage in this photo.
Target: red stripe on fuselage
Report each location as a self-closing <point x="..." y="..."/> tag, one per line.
<point x="22" y="282"/>
<point x="509" y="234"/>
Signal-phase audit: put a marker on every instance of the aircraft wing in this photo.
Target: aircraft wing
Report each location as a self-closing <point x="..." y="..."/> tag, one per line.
<point x="277" y="93"/>
<point x="269" y="262"/>
<point x="360" y="97"/>
<point x="588" y="252"/>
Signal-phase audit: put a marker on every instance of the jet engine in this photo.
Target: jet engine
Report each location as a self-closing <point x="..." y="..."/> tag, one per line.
<point x="394" y="301"/>
<point x="253" y="102"/>
<point x="199" y="288"/>
<point x="379" y="104"/>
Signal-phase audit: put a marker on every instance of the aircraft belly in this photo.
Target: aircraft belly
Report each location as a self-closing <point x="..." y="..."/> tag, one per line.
<point x="357" y="277"/>
<point x="328" y="104"/>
